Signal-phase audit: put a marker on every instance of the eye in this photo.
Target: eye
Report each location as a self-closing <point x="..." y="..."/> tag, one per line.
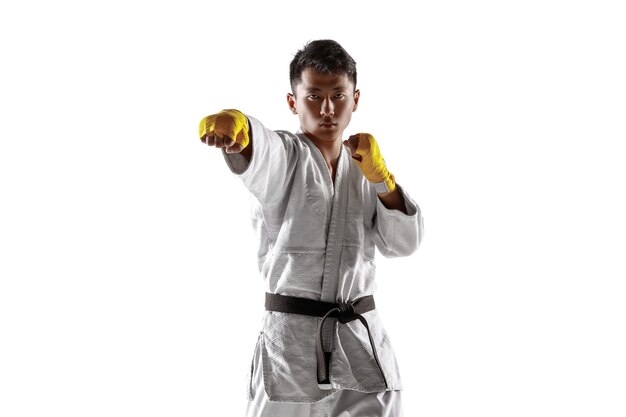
<point x="340" y="95"/>
<point x="312" y="97"/>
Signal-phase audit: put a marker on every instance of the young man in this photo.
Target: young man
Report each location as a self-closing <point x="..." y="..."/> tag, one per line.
<point x="322" y="206"/>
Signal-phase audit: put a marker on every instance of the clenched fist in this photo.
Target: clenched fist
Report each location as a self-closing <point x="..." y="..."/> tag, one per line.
<point x="226" y="129"/>
<point x="367" y="156"/>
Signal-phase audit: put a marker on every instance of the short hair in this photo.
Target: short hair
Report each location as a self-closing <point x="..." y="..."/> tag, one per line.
<point x="325" y="56"/>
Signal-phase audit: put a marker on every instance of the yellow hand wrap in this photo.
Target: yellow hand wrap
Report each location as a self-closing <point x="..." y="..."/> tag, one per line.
<point x="372" y="163"/>
<point x="231" y="123"/>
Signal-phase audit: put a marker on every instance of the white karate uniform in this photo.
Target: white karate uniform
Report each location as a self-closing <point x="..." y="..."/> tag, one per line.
<point x="317" y="240"/>
<point x="342" y="403"/>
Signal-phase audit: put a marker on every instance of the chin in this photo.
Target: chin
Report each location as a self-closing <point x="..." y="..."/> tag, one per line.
<point x="326" y="134"/>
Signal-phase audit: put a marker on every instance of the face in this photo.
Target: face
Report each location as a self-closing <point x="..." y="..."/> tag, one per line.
<point x="324" y="103"/>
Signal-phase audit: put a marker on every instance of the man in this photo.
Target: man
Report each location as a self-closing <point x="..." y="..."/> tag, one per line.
<point x="322" y="205"/>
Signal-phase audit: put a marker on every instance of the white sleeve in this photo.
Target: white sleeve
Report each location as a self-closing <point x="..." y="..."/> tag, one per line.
<point x="272" y="164"/>
<point x="395" y="233"/>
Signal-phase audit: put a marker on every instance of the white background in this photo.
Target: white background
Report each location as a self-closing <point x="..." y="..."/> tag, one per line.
<point x="127" y="260"/>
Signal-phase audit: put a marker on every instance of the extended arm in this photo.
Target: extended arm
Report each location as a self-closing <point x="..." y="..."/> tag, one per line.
<point x="263" y="159"/>
<point x="228" y="129"/>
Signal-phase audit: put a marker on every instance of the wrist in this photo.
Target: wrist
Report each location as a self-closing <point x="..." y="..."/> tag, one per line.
<point x="385" y="187"/>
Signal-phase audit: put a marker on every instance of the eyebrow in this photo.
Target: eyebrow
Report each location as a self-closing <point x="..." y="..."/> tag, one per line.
<point x="343" y="87"/>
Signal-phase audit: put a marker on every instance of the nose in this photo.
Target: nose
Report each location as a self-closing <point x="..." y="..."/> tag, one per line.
<point x="328" y="108"/>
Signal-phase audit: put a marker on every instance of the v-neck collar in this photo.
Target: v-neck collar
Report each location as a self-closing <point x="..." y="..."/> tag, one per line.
<point x="337" y="206"/>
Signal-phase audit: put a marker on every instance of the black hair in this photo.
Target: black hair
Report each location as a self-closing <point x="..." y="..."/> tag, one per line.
<point x="325" y="56"/>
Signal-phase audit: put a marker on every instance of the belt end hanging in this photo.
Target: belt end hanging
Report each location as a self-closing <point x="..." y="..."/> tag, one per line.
<point x="325" y="386"/>
<point x="323" y="377"/>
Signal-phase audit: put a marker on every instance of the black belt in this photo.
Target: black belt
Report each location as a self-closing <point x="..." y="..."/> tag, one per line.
<point x="344" y="312"/>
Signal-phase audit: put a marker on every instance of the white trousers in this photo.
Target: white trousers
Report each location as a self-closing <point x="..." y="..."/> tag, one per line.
<point x="343" y="403"/>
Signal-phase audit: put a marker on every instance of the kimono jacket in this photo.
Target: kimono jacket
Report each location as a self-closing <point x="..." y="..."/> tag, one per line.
<point x="317" y="240"/>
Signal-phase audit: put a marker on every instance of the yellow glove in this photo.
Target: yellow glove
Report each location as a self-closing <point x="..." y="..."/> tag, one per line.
<point x="367" y="156"/>
<point x="231" y="123"/>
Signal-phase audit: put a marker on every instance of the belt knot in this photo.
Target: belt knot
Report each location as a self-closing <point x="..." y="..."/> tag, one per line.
<point x="347" y="312"/>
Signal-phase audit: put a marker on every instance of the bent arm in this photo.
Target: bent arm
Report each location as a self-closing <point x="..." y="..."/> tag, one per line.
<point x="393" y="200"/>
<point x="398" y="232"/>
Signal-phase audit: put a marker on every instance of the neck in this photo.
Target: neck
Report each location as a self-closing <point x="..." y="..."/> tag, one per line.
<point x="330" y="149"/>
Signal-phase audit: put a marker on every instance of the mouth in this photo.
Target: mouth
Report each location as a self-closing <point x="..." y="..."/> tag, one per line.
<point x="328" y="124"/>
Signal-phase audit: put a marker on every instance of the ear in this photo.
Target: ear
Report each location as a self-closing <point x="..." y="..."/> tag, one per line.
<point x="357" y="95"/>
<point x="291" y="101"/>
